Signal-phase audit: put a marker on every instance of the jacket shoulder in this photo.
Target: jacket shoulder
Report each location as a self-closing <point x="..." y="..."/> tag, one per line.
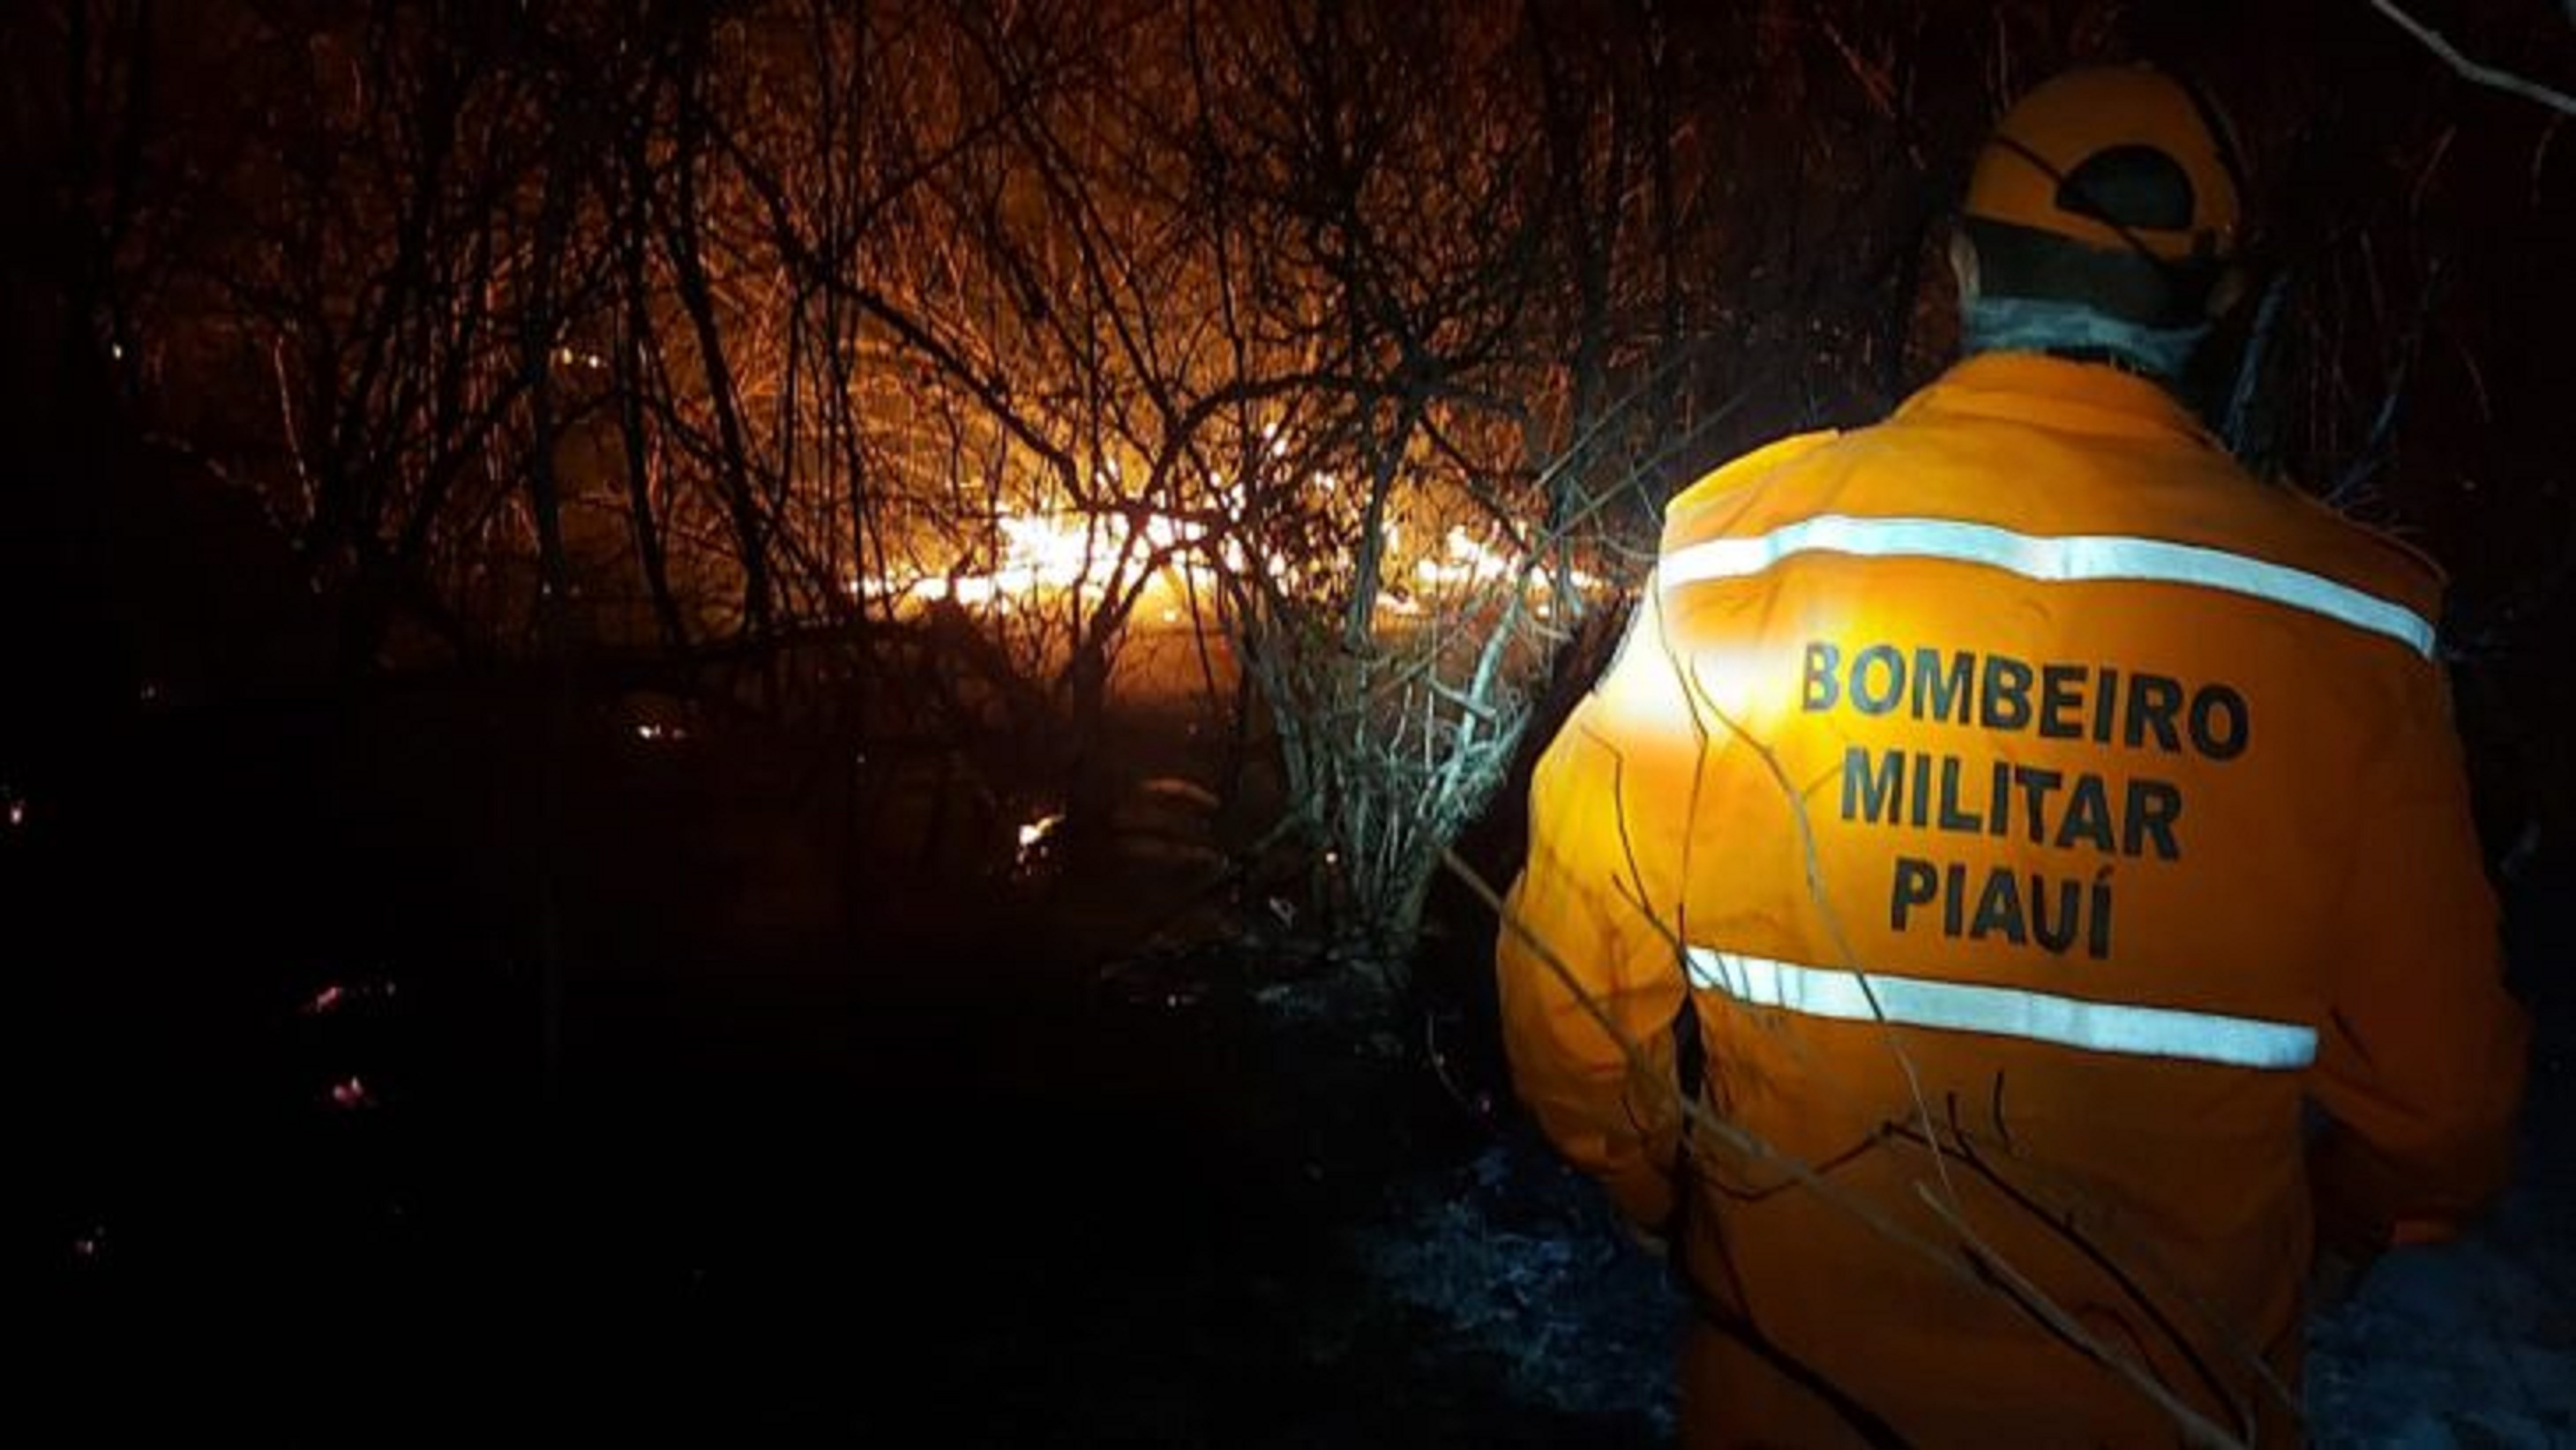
<point x="2377" y="559"/>
<point x="1745" y="471"/>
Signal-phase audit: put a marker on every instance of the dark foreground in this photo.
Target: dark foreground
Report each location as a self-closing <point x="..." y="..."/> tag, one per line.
<point x="386" y="1084"/>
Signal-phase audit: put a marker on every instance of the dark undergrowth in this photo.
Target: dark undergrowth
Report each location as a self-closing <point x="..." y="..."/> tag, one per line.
<point x="385" y="1083"/>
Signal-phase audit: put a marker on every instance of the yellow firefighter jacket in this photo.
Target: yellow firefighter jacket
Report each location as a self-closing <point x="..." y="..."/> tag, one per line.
<point x="2039" y="814"/>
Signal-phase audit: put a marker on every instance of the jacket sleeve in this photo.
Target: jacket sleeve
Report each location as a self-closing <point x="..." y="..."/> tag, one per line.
<point x="2420" y="1061"/>
<point x="1612" y="1114"/>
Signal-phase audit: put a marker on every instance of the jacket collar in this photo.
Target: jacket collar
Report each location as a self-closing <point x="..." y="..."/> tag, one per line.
<point x="2058" y="393"/>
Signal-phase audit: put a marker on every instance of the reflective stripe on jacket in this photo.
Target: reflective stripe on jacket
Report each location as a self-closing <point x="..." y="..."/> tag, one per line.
<point x="2018" y="774"/>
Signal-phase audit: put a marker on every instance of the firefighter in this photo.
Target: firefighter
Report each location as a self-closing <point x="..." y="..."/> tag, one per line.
<point x="2040" y="851"/>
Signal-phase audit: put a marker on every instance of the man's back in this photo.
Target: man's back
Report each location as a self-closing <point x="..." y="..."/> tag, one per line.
<point x="2020" y="776"/>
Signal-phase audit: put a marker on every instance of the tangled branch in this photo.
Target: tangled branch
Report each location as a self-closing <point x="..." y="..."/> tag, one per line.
<point x="2485" y="75"/>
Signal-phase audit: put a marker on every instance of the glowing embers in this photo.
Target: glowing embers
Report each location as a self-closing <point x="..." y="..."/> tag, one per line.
<point x="342" y="996"/>
<point x="1035" y="837"/>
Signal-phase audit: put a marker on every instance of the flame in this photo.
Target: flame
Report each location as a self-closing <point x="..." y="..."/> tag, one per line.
<point x="1053" y="554"/>
<point x="1045" y="555"/>
<point x="1472" y="561"/>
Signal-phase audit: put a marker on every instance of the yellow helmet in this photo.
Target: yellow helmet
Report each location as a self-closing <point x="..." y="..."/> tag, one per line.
<point x="2116" y="157"/>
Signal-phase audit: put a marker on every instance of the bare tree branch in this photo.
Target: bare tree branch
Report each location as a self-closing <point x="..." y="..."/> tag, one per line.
<point x="2485" y="75"/>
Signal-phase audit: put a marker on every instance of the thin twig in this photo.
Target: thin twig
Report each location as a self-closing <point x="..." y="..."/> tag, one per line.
<point x="2485" y="75"/>
<point x="1697" y="691"/>
<point x="2197" y="1428"/>
<point x="2249" y="368"/>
